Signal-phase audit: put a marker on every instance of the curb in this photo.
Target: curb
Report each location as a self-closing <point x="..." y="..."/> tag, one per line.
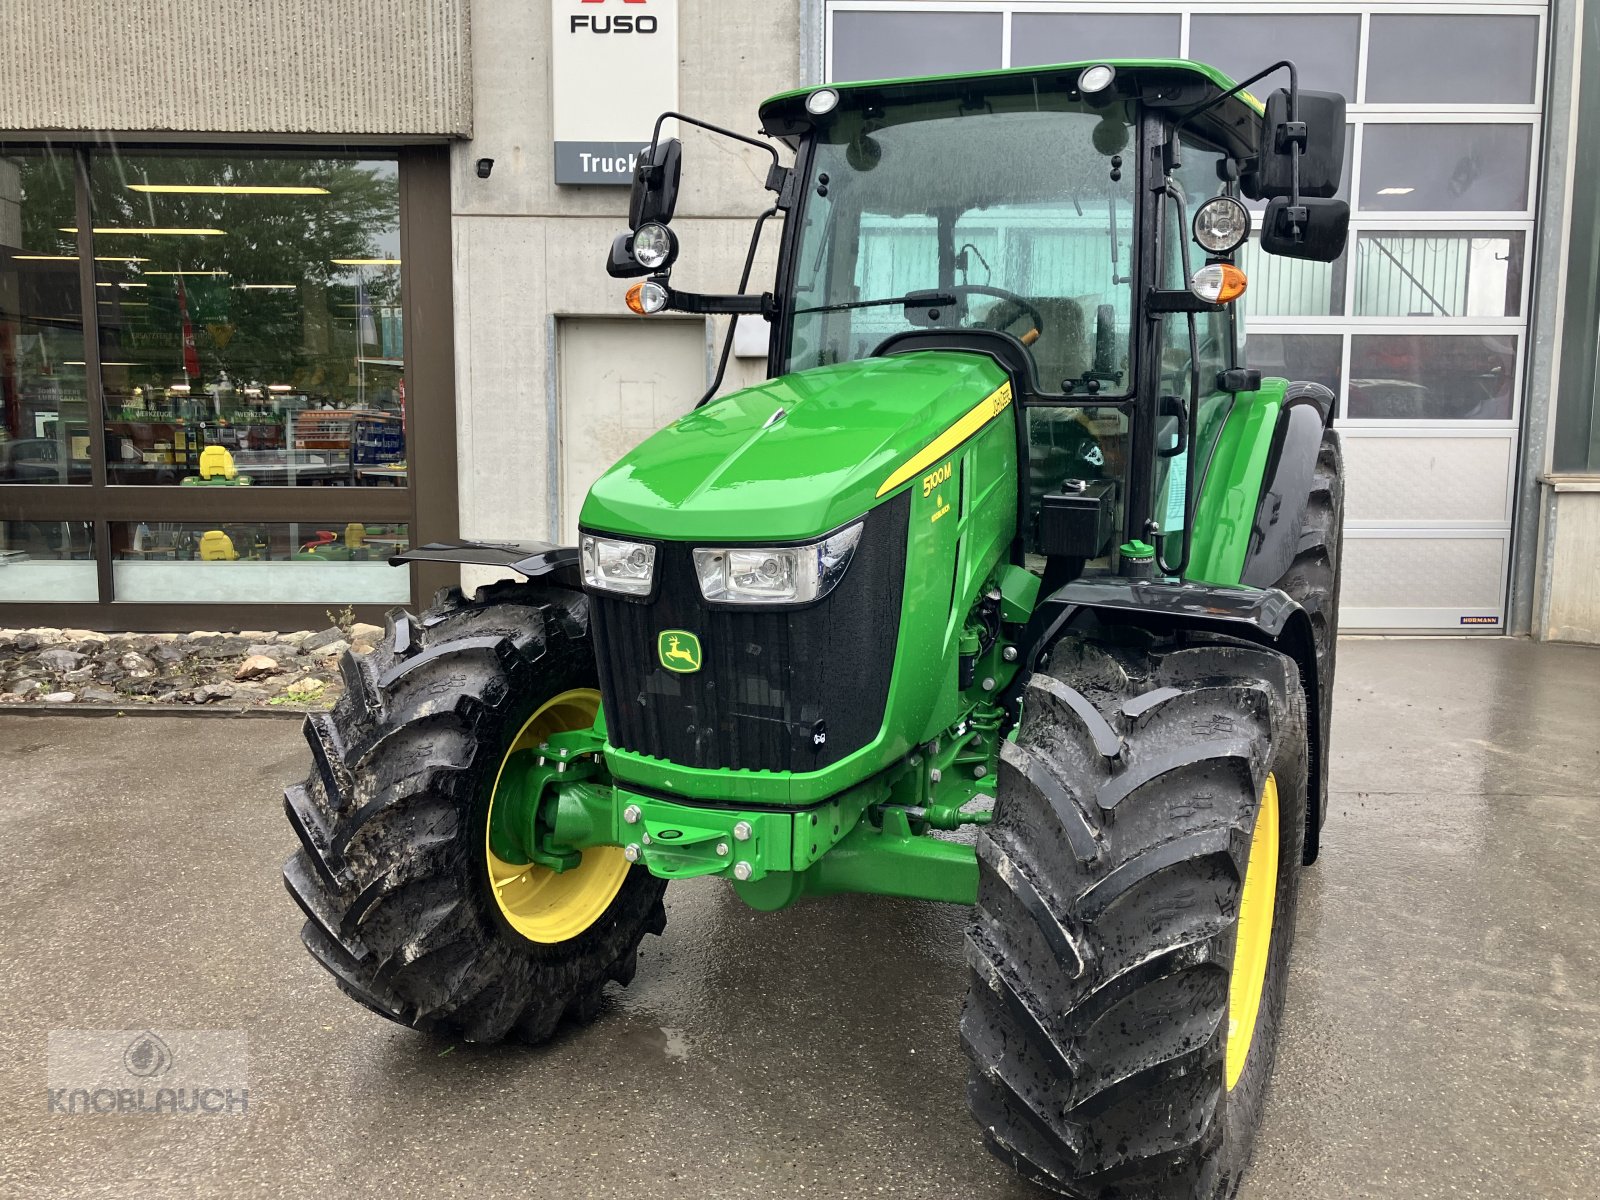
<point x="154" y="710"/>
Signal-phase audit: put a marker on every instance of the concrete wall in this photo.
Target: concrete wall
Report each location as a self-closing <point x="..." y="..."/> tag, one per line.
<point x="385" y="67"/>
<point x="1568" y="608"/>
<point x="527" y="251"/>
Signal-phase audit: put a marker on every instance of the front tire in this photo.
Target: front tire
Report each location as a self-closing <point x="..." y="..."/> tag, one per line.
<point x="394" y="874"/>
<point x="1153" y="791"/>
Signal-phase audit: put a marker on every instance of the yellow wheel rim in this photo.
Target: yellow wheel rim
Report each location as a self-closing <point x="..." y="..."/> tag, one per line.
<point x="543" y="905"/>
<point x="1254" y="941"/>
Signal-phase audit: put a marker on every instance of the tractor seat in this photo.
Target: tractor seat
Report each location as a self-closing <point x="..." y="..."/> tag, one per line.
<point x="1063" y="350"/>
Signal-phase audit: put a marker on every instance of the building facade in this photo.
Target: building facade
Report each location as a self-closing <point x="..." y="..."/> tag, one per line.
<point x="357" y="246"/>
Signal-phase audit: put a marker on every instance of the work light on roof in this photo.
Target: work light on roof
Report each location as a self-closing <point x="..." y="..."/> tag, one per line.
<point x="1096" y="79"/>
<point x="822" y="102"/>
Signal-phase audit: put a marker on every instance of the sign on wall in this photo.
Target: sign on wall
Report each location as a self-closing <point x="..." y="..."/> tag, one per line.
<point x="613" y="70"/>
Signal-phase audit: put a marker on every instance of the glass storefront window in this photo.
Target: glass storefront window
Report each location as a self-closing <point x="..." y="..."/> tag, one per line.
<point x="44" y="421"/>
<point x="253" y="303"/>
<point x="46" y="560"/>
<point x="1041" y="38"/>
<point x="1445" y="168"/>
<point x="1446" y="377"/>
<point x="1439" y="273"/>
<point x="1452" y="59"/>
<point x="258" y="562"/>
<point x="1313" y="357"/>
<point x="1290" y="287"/>
<point x="878" y="45"/>
<point x="1324" y="47"/>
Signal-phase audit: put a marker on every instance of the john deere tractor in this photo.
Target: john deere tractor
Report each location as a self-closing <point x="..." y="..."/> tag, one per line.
<point x="1014" y="586"/>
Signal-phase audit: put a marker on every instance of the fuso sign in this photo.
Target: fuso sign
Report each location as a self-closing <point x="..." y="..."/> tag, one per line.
<point x="613" y="70"/>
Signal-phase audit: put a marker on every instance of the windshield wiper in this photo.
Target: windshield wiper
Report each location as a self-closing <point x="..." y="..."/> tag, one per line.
<point x="930" y="299"/>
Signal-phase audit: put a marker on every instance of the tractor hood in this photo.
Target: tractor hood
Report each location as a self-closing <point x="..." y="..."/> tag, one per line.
<point x="796" y="456"/>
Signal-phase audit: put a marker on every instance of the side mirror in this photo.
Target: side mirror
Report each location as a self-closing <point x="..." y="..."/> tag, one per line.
<point x="655" y="184"/>
<point x="1324" y="226"/>
<point x="1320" y="133"/>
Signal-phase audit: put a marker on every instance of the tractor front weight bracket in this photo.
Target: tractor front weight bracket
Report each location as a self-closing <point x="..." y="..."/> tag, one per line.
<point x="555" y="801"/>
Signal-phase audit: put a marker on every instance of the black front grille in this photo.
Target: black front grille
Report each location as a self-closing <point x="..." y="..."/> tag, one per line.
<point x="776" y="691"/>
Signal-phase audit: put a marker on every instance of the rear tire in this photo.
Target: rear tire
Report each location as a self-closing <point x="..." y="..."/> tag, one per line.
<point x="1103" y="949"/>
<point x="1313" y="580"/>
<point x="392" y="871"/>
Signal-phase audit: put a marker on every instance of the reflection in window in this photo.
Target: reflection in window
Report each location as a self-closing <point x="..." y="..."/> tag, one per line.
<point x="1309" y="357"/>
<point x="44" y="428"/>
<point x="1432" y="376"/>
<point x="1439" y="273"/>
<point x="1445" y="168"/>
<point x="253" y="304"/>
<point x="258" y="562"/>
<point x="1291" y="287"/>
<point x="47" y="560"/>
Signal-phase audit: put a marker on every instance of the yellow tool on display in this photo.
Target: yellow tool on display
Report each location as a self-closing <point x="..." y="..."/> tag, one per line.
<point x="216" y="546"/>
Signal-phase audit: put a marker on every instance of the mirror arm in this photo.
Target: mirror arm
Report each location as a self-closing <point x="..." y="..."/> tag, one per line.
<point x="768" y="309"/>
<point x="777" y="175"/>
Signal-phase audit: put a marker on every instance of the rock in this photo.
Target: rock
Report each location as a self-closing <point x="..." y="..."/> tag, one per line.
<point x="257" y="635"/>
<point x="362" y="649"/>
<point x="258" y="666"/>
<point x="331" y="649"/>
<point x="316" y="641"/>
<point x="273" y="650"/>
<point x="167" y="653"/>
<point x="98" y="696"/>
<point x="166" y="637"/>
<point x="294" y="639"/>
<point x="26" y="687"/>
<point x="140" y="687"/>
<point x="200" y="635"/>
<point x="11" y="698"/>
<point x="363" y="634"/>
<point x="26" y="641"/>
<point x="308" y="685"/>
<point x="84" y="635"/>
<point x="249" y="693"/>
<point x="81" y="675"/>
<point x="219" y="645"/>
<point x="59" y="697"/>
<point x="59" y="659"/>
<point x="138" y="643"/>
<point x="136" y="665"/>
<point x="206" y="693"/>
<point x="169" y="697"/>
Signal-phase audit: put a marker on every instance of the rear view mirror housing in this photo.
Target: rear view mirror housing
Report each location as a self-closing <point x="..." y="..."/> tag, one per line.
<point x="655" y="184"/>
<point x="1323" y="227"/>
<point x="1320" y="134"/>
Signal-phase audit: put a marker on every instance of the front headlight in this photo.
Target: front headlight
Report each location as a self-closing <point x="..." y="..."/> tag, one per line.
<point x="613" y="565"/>
<point x="775" y="574"/>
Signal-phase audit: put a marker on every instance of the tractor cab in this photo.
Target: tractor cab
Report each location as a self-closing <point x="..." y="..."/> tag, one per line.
<point x="1085" y="226"/>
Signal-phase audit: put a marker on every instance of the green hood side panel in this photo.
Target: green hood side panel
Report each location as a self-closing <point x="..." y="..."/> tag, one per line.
<point x="732" y="471"/>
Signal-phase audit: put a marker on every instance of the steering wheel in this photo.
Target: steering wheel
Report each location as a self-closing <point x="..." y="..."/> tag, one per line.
<point x="1012" y="305"/>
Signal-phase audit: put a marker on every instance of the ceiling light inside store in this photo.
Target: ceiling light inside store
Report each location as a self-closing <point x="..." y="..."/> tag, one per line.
<point x="269" y="287"/>
<point x="1395" y="191"/>
<point x="72" y="363"/>
<point x="73" y="258"/>
<point x="154" y="231"/>
<point x="279" y="387"/>
<point x="366" y="262"/>
<point x="127" y="303"/>
<point x="218" y="189"/>
<point x="122" y="285"/>
<point x="184" y="273"/>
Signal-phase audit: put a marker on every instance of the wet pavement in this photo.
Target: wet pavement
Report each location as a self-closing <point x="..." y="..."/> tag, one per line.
<point x="1442" y="1036"/>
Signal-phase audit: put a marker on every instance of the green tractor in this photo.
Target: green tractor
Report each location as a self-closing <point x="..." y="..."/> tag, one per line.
<point x="1013" y="586"/>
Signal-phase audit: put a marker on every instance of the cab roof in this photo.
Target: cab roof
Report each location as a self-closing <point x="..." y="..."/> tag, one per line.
<point x="1163" y="82"/>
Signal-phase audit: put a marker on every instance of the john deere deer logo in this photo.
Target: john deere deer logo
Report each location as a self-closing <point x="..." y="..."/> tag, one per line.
<point x="678" y="650"/>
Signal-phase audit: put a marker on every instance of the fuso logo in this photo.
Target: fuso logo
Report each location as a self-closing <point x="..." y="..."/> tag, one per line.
<point x="621" y="23"/>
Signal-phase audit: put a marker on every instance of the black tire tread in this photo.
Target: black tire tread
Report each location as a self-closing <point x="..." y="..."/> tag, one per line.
<point x="1099" y="1073"/>
<point x="385" y="872"/>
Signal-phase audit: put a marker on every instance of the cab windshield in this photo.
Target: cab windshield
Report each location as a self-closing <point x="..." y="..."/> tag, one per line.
<point x="1007" y="212"/>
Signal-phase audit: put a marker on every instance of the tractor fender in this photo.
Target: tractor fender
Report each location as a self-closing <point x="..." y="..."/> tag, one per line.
<point x="544" y="561"/>
<point x="1286" y="483"/>
<point x="1266" y="616"/>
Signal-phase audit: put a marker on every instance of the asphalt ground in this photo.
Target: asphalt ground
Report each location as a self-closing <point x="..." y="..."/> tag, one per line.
<point x="1442" y="1037"/>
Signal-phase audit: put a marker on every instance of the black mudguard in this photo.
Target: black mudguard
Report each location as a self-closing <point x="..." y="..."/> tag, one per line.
<point x="1266" y="616"/>
<point x="543" y="561"/>
<point x="1286" y="483"/>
